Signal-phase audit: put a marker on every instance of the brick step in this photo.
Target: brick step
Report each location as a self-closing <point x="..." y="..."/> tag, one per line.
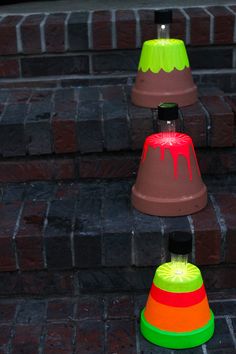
<point x="66" y="47"/>
<point x="213" y="162"/>
<point x="112" y="321"/>
<point x="86" y="237"/>
<point x="102" y="119"/>
<point x="95" y="132"/>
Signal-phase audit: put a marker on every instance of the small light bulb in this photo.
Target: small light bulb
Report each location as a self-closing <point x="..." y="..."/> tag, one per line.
<point x="163" y="31"/>
<point x="178" y="271"/>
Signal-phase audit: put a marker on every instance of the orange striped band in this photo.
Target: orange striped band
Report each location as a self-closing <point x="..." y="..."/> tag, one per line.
<point x="177" y="319"/>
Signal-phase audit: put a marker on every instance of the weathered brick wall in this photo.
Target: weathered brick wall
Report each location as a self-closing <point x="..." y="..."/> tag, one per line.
<point x="104" y="46"/>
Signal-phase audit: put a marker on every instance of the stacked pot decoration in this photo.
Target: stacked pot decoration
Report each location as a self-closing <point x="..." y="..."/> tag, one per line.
<point x="177" y="313"/>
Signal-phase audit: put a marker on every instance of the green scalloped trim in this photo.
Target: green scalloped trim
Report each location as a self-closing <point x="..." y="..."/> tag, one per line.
<point x="165" y="54"/>
<point x="166" y="278"/>
<point x="174" y="340"/>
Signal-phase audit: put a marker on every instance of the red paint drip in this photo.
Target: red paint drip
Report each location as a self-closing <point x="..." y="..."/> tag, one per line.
<point x="177" y="143"/>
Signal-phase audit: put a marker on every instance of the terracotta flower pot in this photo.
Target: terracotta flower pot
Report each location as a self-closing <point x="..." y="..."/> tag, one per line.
<point x="169" y="182"/>
<point x="164" y="75"/>
<point x="177" y="313"/>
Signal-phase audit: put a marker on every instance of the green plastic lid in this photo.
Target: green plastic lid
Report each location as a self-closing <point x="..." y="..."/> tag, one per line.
<point x="165" y="54"/>
<point x="168" y="279"/>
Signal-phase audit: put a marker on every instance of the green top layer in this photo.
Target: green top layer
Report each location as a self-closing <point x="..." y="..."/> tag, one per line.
<point x="165" y="54"/>
<point x="166" y="278"/>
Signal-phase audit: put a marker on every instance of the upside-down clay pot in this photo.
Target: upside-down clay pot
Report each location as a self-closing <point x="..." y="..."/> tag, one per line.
<point x="177" y="313"/>
<point x="169" y="182"/>
<point x="164" y="75"/>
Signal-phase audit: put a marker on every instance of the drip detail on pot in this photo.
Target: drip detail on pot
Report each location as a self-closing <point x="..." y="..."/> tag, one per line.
<point x="178" y="144"/>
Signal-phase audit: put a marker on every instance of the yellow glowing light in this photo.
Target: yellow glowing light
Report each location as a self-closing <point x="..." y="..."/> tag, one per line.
<point x="178" y="272"/>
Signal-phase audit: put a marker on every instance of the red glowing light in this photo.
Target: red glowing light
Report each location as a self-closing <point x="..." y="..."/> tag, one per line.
<point x="177" y="143"/>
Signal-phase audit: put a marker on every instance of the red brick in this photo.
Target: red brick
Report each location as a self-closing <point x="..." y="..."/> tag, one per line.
<point x="55" y="33"/>
<point x="222" y="121"/>
<point x="90" y="337"/>
<point x="64" y="134"/>
<point x="42" y="283"/>
<point x="30" y="34"/>
<point x="120" y="337"/>
<point x="147" y="25"/>
<point x="29" y="239"/>
<point x="195" y="123"/>
<point x="210" y="91"/>
<point x="231" y="100"/>
<point x="112" y="92"/>
<point x="19" y="96"/>
<point x="141" y="125"/>
<point x="41" y="95"/>
<point x="125" y="29"/>
<point x="13" y="84"/>
<point x="9" y="68"/>
<point x="121" y="306"/>
<point x="37" y="169"/>
<point x="227" y="204"/>
<point x="9" y="214"/>
<point x="26" y="339"/>
<point x="214" y="161"/>
<point x="5" y="335"/>
<point x="60" y="309"/>
<point x="7" y="255"/>
<point x="220" y="277"/>
<point x="223" y="24"/>
<point x="199" y="26"/>
<point x="7" y="312"/>
<point x="207" y="236"/>
<point x="178" y="26"/>
<point x="107" y="167"/>
<point x="90" y="308"/>
<point x="65" y="106"/>
<point x="67" y="190"/>
<point x="59" y="339"/>
<point x="8" y="41"/>
<point x="101" y="27"/>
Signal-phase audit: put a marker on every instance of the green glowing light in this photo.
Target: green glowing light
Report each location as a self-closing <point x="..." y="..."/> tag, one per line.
<point x="165" y="54"/>
<point x="174" y="277"/>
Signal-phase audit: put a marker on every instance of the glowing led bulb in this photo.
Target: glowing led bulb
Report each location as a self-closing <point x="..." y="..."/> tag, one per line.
<point x="167" y="115"/>
<point x="167" y="126"/>
<point x="163" y="31"/>
<point x="163" y="18"/>
<point x="179" y="263"/>
<point x="180" y="244"/>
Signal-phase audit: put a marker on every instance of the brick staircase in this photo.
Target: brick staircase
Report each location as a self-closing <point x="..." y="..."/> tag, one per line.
<point x="71" y="142"/>
<point x="76" y="260"/>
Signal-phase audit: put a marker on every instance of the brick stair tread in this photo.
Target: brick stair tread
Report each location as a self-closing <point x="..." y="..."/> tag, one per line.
<point x="92" y="226"/>
<point x="46" y="325"/>
<point x="41" y="49"/>
<point x="101" y="119"/>
<point x="95" y="132"/>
